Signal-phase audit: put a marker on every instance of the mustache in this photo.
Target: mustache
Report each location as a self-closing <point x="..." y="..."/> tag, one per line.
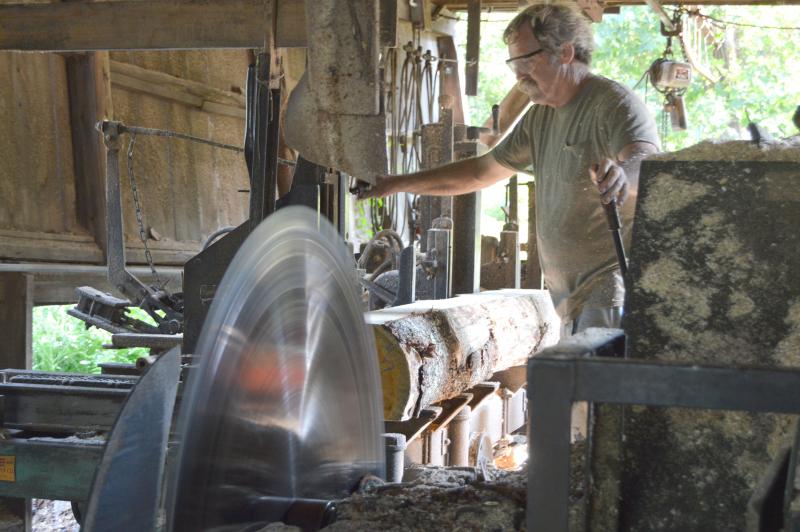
<point x="527" y="86"/>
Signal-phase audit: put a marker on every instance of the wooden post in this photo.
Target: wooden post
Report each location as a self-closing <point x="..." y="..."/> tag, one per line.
<point x="473" y="46"/>
<point x="533" y="270"/>
<point x="16" y="348"/>
<point x="16" y="315"/>
<point x="466" y="243"/>
<point x="89" y="88"/>
<point x="449" y="82"/>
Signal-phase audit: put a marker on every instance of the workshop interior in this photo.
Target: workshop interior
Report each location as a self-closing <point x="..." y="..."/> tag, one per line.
<point x="184" y="175"/>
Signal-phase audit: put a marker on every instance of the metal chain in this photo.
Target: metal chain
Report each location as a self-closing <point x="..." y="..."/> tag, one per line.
<point x="138" y="207"/>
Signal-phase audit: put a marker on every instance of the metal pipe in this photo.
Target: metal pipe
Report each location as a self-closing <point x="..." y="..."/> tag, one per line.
<point x="458" y="431"/>
<point x="466" y="264"/>
<point x="395" y="444"/>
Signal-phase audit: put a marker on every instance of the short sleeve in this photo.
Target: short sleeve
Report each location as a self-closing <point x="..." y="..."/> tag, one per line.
<point x="629" y="121"/>
<point x="515" y="151"/>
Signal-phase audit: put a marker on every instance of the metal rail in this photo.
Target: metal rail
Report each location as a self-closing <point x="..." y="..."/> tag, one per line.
<point x="559" y="376"/>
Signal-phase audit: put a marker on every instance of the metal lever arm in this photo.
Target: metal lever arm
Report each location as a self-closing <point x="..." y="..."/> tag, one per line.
<point x="615" y="226"/>
<point x="118" y="275"/>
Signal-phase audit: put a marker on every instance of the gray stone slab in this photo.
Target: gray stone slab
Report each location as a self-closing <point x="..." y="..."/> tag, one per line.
<point x="714" y="279"/>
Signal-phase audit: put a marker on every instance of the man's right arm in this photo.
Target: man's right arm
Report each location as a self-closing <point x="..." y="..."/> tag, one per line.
<point x="460" y="177"/>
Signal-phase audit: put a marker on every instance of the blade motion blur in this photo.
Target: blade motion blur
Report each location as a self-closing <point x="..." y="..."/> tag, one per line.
<point x="285" y="404"/>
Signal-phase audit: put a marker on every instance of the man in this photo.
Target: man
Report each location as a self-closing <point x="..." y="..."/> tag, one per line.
<point x="582" y="128"/>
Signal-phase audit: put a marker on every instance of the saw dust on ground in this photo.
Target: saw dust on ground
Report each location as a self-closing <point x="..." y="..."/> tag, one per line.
<point x="53" y="516"/>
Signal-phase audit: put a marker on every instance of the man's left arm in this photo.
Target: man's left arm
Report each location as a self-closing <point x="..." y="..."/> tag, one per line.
<point x="619" y="179"/>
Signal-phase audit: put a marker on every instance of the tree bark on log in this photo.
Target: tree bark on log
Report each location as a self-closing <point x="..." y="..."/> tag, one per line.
<point x="430" y="351"/>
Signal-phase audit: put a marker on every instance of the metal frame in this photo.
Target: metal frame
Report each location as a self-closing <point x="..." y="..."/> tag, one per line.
<point x="86" y="405"/>
<point x="572" y="372"/>
<point x="118" y="275"/>
<point x="261" y="140"/>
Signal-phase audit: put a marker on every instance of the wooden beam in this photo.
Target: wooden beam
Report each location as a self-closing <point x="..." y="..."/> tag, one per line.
<point x="473" y="47"/>
<point x="290" y="29"/>
<point x="16" y="315"/>
<point x="187" y="92"/>
<point x="515" y="5"/>
<point x="49" y="247"/>
<point x="133" y="25"/>
<point x="450" y="83"/>
<point x="89" y="92"/>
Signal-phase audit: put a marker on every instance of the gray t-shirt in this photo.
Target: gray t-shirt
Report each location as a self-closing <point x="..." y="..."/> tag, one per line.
<point x="576" y="249"/>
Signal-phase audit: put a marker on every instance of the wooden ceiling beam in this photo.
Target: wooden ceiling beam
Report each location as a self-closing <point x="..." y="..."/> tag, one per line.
<point x="133" y="25"/>
<point x="513" y="5"/>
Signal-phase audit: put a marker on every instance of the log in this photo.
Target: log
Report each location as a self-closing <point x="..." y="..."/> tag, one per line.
<point x="430" y="351"/>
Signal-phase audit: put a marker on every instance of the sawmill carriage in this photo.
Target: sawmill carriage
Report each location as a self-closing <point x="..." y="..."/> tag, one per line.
<point x="209" y="185"/>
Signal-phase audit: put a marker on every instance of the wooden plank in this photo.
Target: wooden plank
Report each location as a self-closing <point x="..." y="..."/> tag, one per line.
<point x="193" y="88"/>
<point x="16" y="315"/>
<point x="533" y="270"/>
<point x="162" y="91"/>
<point x="25" y="245"/>
<point x="451" y="84"/>
<point x="89" y="94"/>
<point x="187" y="92"/>
<point x="133" y="25"/>
<point x="473" y="47"/>
<point x="514" y="5"/>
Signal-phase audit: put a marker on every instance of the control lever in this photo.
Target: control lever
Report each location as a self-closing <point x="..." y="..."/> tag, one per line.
<point x="615" y="226"/>
<point x="495" y="119"/>
<point x="360" y="187"/>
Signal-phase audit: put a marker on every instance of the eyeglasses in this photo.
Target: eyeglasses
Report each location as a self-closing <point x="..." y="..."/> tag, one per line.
<point x="515" y="63"/>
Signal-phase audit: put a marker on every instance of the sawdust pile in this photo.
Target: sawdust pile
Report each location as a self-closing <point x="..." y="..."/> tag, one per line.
<point x="438" y="498"/>
<point x="451" y="498"/>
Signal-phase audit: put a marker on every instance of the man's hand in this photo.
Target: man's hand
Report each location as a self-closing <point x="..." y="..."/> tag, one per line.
<point x="611" y="181"/>
<point x="381" y="188"/>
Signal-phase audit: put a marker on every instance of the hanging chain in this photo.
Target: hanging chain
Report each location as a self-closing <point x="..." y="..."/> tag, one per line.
<point x="137" y="205"/>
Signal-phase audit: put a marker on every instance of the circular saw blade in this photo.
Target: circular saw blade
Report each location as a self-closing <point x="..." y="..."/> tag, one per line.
<point x="286" y="399"/>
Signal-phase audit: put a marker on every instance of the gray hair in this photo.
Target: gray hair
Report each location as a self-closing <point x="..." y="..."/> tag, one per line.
<point x="555" y="25"/>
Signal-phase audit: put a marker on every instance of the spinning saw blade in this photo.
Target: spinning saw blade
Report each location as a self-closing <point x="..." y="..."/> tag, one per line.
<point x="286" y="401"/>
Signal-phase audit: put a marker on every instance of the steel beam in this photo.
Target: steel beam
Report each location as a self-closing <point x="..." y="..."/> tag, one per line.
<point x="57" y="408"/>
<point x="561" y="375"/>
<point x="49" y="468"/>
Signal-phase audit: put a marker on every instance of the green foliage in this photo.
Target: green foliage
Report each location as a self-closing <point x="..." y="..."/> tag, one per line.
<point x="759" y="75"/>
<point x="495" y="212"/>
<point x="62" y="343"/>
<point x="494" y="77"/>
<point x="758" y="67"/>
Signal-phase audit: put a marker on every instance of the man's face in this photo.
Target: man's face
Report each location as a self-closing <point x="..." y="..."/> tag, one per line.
<point x="536" y="75"/>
